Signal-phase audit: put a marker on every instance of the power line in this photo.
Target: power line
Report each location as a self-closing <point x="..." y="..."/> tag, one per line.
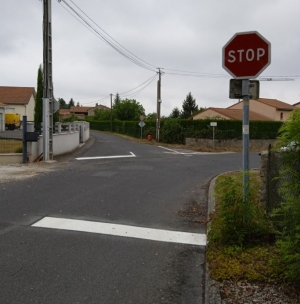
<point x="140" y="90"/>
<point x="136" y="60"/>
<point x="139" y="85"/>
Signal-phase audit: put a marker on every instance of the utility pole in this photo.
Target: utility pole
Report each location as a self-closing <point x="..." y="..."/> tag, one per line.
<point x="158" y="105"/>
<point x="111" y="112"/>
<point x="48" y="101"/>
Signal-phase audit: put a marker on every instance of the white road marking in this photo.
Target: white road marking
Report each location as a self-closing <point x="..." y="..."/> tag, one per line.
<point x="171" y="151"/>
<point x="123" y="230"/>
<point x="106" y="157"/>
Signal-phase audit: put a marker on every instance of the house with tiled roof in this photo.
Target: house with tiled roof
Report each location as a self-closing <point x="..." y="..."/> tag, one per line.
<point x="19" y="100"/>
<point x="274" y="109"/>
<point x="234" y="114"/>
<point x="80" y="111"/>
<point x="297" y="104"/>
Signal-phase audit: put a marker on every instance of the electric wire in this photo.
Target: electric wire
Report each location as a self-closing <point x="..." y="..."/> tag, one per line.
<point x="139" y="85"/>
<point x="140" y="62"/>
<point x="111" y="36"/>
<point x="140" y="90"/>
<point x="106" y="40"/>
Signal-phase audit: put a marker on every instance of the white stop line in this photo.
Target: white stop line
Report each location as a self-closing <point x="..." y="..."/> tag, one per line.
<point x="123" y="231"/>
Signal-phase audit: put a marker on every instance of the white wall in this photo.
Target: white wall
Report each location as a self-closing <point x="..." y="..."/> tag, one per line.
<point x="63" y="142"/>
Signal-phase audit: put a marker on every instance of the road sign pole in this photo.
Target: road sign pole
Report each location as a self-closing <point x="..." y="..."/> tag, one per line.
<point x="245" y="93"/>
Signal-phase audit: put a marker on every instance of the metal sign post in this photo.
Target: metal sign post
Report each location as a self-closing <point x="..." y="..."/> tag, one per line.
<point x="213" y="125"/>
<point x="245" y="93"/>
<point x="246" y="55"/>
<point x="141" y="124"/>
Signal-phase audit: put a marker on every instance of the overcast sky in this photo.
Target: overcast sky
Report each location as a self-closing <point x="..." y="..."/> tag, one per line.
<point x="172" y="34"/>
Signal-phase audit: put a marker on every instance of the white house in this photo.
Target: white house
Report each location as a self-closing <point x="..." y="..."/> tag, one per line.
<point x="20" y="100"/>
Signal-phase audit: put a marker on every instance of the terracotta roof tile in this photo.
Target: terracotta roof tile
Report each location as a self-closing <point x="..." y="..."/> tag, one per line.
<point x="280" y="105"/>
<point x="16" y="95"/>
<point x="237" y="114"/>
<point x="80" y="109"/>
<point x="276" y="103"/>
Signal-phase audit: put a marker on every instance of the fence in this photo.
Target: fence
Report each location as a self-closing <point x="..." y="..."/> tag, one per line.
<point x="66" y="138"/>
<point x="274" y="178"/>
<point x="10" y="140"/>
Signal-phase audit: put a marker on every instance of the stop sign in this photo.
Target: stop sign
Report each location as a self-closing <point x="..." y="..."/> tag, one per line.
<point x="246" y="55"/>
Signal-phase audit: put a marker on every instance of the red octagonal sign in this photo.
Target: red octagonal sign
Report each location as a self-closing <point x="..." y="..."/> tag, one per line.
<point x="246" y="55"/>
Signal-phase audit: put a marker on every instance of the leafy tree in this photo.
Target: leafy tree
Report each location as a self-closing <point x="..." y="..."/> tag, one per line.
<point x="189" y="106"/>
<point x="38" y="107"/>
<point x="71" y="103"/>
<point x="128" y="109"/>
<point x="101" y="114"/>
<point x="151" y="116"/>
<point x="172" y="132"/>
<point x="62" y="103"/>
<point x="175" y="113"/>
<point x="117" y="99"/>
<point x="78" y="105"/>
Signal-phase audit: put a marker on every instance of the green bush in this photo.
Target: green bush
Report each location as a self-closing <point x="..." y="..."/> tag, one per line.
<point x="287" y="216"/>
<point x="226" y="129"/>
<point x="237" y="222"/>
<point x="171" y="131"/>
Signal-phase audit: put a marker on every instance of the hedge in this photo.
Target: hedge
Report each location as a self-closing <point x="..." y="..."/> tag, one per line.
<point x="176" y="130"/>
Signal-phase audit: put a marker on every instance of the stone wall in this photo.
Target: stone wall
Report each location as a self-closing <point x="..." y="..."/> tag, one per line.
<point x="229" y="143"/>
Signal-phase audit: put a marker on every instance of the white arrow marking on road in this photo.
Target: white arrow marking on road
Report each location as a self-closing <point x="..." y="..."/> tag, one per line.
<point x="104" y="157"/>
<point x="123" y="230"/>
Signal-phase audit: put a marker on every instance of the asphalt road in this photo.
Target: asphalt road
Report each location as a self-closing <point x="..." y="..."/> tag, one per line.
<point x="142" y="186"/>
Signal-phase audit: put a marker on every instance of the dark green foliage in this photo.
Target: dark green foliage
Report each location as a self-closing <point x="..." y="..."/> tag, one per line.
<point x="128" y="110"/>
<point x="175" y="113"/>
<point x="71" y="103"/>
<point x="38" y="107"/>
<point x="227" y="129"/>
<point x="117" y="100"/>
<point x="151" y="116"/>
<point x="102" y="114"/>
<point x="189" y="107"/>
<point x="237" y="222"/>
<point x="287" y="216"/>
<point x="171" y="132"/>
<point x="62" y="103"/>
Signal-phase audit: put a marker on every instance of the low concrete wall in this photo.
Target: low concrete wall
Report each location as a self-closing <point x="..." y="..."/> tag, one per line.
<point x="229" y="143"/>
<point x="11" y="158"/>
<point x="65" y="140"/>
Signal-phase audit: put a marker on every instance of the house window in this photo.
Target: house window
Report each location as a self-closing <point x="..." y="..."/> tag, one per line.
<point x="281" y="116"/>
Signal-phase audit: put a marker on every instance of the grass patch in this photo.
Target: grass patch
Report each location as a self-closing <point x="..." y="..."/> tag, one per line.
<point x="241" y="239"/>
<point x="11" y="146"/>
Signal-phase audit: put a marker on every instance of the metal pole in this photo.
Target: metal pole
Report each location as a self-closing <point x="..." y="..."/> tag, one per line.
<point x="47" y="82"/>
<point x="213" y="138"/>
<point x="245" y="93"/>
<point x="111" y="112"/>
<point x="45" y="129"/>
<point x="158" y="105"/>
<point x="141" y="132"/>
<point x="24" y="139"/>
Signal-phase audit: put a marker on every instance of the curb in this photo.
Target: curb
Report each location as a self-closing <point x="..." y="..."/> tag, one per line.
<point x="212" y="293"/>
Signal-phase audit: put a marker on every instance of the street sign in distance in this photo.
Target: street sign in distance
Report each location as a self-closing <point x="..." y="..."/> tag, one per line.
<point x="141" y="124"/>
<point x="235" y="89"/>
<point x="246" y="55"/>
<point x="213" y="124"/>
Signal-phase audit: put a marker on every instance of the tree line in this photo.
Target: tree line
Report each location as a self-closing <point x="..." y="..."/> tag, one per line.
<point x="122" y="109"/>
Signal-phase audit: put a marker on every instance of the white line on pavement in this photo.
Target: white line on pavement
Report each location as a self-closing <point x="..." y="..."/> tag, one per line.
<point x="123" y="230"/>
<point x="104" y="157"/>
<point x="171" y="151"/>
